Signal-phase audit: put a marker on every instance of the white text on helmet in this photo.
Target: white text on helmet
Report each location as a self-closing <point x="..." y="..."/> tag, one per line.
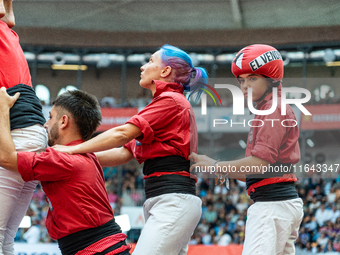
<point x="264" y="59"/>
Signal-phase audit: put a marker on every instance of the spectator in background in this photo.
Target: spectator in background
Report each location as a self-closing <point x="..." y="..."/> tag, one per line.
<point x="44" y="237"/>
<point x="319" y="194"/>
<point x="108" y="101"/>
<point x="315" y="204"/>
<point x="210" y="215"/>
<point x="241" y="206"/>
<point x="225" y="239"/>
<point x="204" y="226"/>
<point x="220" y="217"/>
<point x="310" y="223"/>
<point x="329" y="246"/>
<point x="322" y="214"/>
<point x="112" y="197"/>
<point x="302" y="193"/>
<point x="304" y="236"/>
<point x="220" y="189"/>
<point x="229" y="206"/>
<point x="335" y="213"/>
<point x="32" y="236"/>
<point x="209" y="238"/>
<point x="219" y="203"/>
<point x="203" y="186"/>
<point x="331" y="196"/>
<point x="322" y="240"/>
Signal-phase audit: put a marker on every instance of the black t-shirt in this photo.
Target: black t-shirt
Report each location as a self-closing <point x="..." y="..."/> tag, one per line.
<point x="27" y="110"/>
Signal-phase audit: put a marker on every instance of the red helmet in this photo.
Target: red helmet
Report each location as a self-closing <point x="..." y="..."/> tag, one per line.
<point x="260" y="59"/>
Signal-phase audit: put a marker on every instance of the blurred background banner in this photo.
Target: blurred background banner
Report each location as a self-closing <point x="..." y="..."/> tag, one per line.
<point x="324" y="117"/>
<point x="36" y="249"/>
<point x="112" y="117"/>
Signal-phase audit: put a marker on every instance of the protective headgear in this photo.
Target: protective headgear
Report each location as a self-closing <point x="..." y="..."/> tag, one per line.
<point x="259" y="59"/>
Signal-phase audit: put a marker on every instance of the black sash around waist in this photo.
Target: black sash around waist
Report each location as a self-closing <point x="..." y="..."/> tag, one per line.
<point x="171" y="183"/>
<point x="71" y="244"/>
<point x="276" y="191"/>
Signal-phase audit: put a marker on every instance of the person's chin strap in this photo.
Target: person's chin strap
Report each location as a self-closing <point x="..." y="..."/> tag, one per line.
<point x="269" y="90"/>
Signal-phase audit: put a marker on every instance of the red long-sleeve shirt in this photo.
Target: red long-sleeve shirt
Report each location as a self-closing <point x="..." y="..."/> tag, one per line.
<point x="273" y="142"/>
<point x="167" y="124"/>
<point x="74" y="186"/>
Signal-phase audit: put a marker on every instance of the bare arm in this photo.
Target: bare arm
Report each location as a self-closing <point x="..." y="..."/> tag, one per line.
<point x="111" y="138"/>
<point x="114" y="157"/>
<point x="8" y="154"/>
<point x="236" y="168"/>
<point x="251" y="162"/>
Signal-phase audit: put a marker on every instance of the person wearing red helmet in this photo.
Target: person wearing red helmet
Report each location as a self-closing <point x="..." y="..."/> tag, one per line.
<point x="273" y="220"/>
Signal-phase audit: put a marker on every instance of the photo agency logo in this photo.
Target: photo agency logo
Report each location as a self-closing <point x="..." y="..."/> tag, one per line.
<point x="271" y="63"/>
<point x="239" y="110"/>
<point x="204" y="98"/>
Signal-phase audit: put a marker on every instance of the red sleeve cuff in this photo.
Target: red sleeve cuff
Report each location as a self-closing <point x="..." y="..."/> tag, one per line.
<point x="25" y="165"/>
<point x="145" y="128"/>
<point x="264" y="152"/>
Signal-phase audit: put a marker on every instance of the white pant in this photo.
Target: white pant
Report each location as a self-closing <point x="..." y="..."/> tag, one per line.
<point x="272" y="227"/>
<point x="170" y="220"/>
<point x="15" y="194"/>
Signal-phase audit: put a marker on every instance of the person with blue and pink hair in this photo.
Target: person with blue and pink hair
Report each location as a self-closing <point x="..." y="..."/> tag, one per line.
<point x="161" y="136"/>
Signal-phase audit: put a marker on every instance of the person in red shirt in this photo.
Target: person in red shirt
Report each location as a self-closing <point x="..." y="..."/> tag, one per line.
<point x="80" y="217"/>
<point x="273" y="220"/>
<point x="162" y="135"/>
<point x="27" y="129"/>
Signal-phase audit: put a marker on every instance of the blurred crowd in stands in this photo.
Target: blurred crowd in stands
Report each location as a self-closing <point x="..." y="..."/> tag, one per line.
<point x="224" y="212"/>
